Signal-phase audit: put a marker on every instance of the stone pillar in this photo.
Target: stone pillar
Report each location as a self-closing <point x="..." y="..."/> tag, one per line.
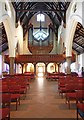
<point x="68" y="60"/>
<point x="46" y="68"/>
<point x="76" y="63"/>
<point x="55" y="67"/>
<point x="34" y="68"/>
<point x="15" y="67"/>
<point x="58" y="67"/>
<point x="26" y="67"/>
<point x="22" y="64"/>
<point x="11" y="71"/>
<point x="30" y="36"/>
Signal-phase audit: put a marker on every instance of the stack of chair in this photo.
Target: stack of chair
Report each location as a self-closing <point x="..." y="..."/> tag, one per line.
<point x="80" y="110"/>
<point x="72" y="87"/>
<point x="5" y="106"/>
<point x="16" y="86"/>
<point x="78" y="93"/>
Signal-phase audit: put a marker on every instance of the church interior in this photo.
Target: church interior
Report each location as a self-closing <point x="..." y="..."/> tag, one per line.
<point x="42" y="59"/>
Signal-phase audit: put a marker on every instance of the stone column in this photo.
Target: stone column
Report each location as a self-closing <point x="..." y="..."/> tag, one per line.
<point x="22" y="64"/>
<point x="76" y="63"/>
<point x="30" y="36"/>
<point x="68" y="60"/>
<point x="26" y="67"/>
<point x="34" y="68"/>
<point x="46" y="68"/>
<point x="58" y="67"/>
<point x="15" y="67"/>
<point x="11" y="71"/>
<point x="55" y="67"/>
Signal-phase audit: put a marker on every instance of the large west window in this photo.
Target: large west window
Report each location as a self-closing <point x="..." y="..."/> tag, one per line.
<point x="40" y="33"/>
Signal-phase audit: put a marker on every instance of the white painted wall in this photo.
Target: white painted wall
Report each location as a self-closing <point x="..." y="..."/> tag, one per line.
<point x="72" y="18"/>
<point x="37" y="24"/>
<point x="59" y="36"/>
<point x="3" y="65"/>
<point x="30" y="67"/>
<point x="54" y="50"/>
<point x="75" y="66"/>
<point x="25" y="45"/>
<point x="81" y="61"/>
<point x="18" y="68"/>
<point x="63" y="67"/>
<point x="51" y="69"/>
<point x="19" y="34"/>
<point x="61" y="39"/>
<point x="8" y="19"/>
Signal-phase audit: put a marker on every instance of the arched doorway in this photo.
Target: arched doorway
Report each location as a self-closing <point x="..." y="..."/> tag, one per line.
<point x="30" y="67"/>
<point x="52" y="67"/>
<point x="40" y="69"/>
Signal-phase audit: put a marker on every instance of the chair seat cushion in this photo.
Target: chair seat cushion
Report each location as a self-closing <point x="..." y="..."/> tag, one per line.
<point x="71" y="95"/>
<point x="14" y="96"/>
<point x="80" y="106"/>
<point x="4" y="112"/>
<point x="63" y="89"/>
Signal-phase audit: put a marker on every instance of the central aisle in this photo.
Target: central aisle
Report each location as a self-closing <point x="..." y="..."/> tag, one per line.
<point x="43" y="101"/>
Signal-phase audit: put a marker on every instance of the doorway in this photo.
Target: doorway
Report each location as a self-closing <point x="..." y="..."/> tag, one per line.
<point x="40" y="69"/>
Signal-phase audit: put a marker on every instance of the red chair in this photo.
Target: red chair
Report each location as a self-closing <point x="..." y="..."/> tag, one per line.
<point x="4" y="113"/>
<point x="15" y="98"/>
<point x="5" y="106"/>
<point x="77" y="96"/>
<point x="4" y="89"/>
<point x="67" y="89"/>
<point x="23" y="86"/>
<point x="15" y="94"/>
<point x="80" y="110"/>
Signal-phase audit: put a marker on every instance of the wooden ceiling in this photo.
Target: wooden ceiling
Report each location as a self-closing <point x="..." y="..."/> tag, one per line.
<point x="78" y="41"/>
<point x="25" y="10"/>
<point x="55" y="10"/>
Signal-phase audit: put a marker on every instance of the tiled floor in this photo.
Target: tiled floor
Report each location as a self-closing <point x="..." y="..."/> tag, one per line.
<point x="43" y="101"/>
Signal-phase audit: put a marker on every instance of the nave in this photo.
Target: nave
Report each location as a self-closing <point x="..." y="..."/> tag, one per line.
<point x="43" y="101"/>
<point x="35" y="36"/>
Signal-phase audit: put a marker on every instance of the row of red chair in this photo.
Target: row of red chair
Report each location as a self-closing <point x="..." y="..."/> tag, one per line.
<point x="18" y="83"/>
<point x="80" y="110"/>
<point x="15" y="87"/>
<point x="58" y="75"/>
<point x="5" y="106"/>
<point x="54" y="76"/>
<point x="29" y="75"/>
<point x="72" y="88"/>
<point x="70" y="84"/>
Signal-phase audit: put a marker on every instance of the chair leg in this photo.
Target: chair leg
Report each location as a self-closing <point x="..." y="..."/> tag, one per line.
<point x="16" y="103"/>
<point x="65" y="100"/>
<point x="77" y="113"/>
<point x="68" y="104"/>
<point x="19" y="100"/>
<point x="9" y="116"/>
